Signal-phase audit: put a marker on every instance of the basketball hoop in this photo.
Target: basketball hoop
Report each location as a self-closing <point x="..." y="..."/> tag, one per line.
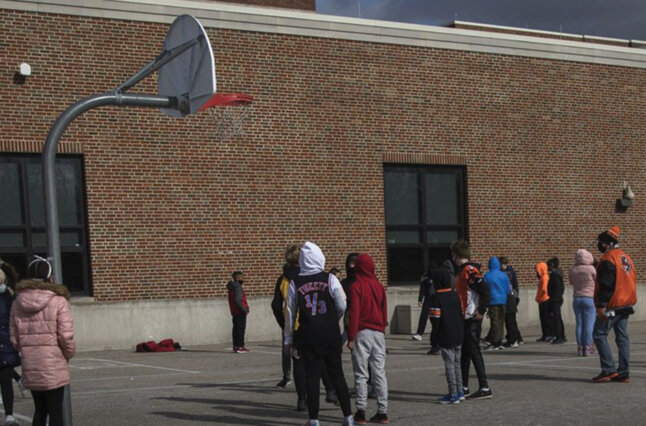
<point x="229" y="112"/>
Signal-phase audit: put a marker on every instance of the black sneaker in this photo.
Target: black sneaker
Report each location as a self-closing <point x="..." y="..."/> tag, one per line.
<point x="481" y="394"/>
<point x="301" y="405"/>
<point x="381" y="418"/>
<point x="621" y="378"/>
<point x="558" y="341"/>
<point x="465" y="390"/>
<point x="283" y="383"/>
<point x="360" y="417"/>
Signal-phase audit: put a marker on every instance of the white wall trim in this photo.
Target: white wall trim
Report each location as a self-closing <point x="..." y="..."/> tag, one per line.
<point x="304" y="23"/>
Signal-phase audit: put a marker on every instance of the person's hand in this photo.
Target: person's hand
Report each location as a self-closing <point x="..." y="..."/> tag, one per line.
<point x="601" y="313"/>
<point x="350" y="344"/>
<point x="419" y="304"/>
<point x="477" y="316"/>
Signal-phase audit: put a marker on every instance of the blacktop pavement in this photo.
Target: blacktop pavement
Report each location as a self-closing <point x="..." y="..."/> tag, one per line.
<point x="535" y="384"/>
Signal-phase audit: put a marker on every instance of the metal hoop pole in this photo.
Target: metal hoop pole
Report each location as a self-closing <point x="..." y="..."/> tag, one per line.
<point x="49" y="180"/>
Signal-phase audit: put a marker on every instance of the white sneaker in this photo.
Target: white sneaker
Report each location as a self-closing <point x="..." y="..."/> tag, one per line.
<point x="416" y="337"/>
<point x="10" y="421"/>
<point x="348" y="421"/>
<point x="514" y="345"/>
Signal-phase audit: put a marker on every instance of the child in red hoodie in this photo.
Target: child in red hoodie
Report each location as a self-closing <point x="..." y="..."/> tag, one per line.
<point x="366" y="338"/>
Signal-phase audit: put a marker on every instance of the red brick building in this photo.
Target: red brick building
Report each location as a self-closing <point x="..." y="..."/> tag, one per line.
<point x="382" y="137"/>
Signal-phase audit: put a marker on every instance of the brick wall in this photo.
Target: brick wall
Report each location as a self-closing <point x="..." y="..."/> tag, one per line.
<point x="172" y="210"/>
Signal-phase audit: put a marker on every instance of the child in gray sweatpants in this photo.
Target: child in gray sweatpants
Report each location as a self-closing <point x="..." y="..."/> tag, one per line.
<point x="448" y="332"/>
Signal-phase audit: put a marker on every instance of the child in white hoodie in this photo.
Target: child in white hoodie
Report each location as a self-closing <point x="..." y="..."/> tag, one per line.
<point x="582" y="276"/>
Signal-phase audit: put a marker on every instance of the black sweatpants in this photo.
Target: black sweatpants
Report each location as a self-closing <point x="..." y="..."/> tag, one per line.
<point x="544" y="316"/>
<point x="6" y="388"/>
<point x="511" y="325"/>
<point x="239" y="326"/>
<point x="471" y="353"/>
<point x="556" y="320"/>
<point x="48" y="404"/>
<point x="315" y="358"/>
<point x="300" y="377"/>
<point x="423" y="317"/>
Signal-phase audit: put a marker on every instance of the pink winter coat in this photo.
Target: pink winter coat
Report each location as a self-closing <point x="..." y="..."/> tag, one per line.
<point x="583" y="274"/>
<point x="43" y="332"/>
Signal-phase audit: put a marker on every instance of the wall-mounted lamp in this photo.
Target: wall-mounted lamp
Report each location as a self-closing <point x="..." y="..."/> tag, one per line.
<point x="627" y="197"/>
<point x="24" y="71"/>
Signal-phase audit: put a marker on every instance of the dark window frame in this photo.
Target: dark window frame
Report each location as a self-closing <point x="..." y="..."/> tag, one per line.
<point x="25" y="252"/>
<point x="423" y="227"/>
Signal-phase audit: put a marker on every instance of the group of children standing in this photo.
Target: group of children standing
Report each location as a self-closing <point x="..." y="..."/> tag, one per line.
<point x="309" y="302"/>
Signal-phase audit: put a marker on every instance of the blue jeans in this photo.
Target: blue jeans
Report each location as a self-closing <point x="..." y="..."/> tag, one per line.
<point x="585" y="314"/>
<point x="618" y="323"/>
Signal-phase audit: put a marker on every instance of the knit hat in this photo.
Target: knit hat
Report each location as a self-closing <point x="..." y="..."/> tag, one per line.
<point x="611" y="236"/>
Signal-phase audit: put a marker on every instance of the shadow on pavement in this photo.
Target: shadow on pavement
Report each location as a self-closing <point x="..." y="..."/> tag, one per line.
<point x="531" y="377"/>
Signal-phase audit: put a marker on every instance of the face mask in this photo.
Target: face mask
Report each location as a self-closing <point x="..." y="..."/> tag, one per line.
<point x="601" y="246"/>
<point x="3" y="288"/>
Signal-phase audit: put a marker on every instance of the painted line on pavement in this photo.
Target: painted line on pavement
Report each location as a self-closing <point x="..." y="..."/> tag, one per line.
<point x="132" y="364"/>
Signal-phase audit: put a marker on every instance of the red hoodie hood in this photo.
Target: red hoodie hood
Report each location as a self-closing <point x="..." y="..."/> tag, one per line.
<point x="364" y="267"/>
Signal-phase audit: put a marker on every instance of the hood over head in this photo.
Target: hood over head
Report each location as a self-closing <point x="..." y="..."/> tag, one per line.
<point x="541" y="268"/>
<point x="365" y="266"/>
<point x="494" y="263"/>
<point x="311" y="259"/>
<point x="34" y="295"/>
<point x="583" y="257"/>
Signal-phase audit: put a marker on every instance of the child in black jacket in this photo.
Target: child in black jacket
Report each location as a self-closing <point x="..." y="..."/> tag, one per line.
<point x="445" y="311"/>
<point x="555" y="289"/>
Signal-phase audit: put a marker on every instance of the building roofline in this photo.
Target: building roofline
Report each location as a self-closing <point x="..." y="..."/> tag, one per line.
<point x="310" y="24"/>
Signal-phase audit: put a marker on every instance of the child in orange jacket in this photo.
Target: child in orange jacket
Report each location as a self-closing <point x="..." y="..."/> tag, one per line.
<point x="542" y="299"/>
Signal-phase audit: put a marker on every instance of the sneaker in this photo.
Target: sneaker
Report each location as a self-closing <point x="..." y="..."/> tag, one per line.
<point x="348" y="421"/>
<point x="521" y="342"/>
<point x="432" y="352"/>
<point x="416" y="337"/>
<point x="558" y="341"/>
<point x="243" y="350"/>
<point x="381" y="418"/>
<point x="10" y="421"/>
<point x="481" y="394"/>
<point x="461" y="396"/>
<point x="235" y="349"/>
<point x="514" y="345"/>
<point x="465" y="390"/>
<point x="301" y="405"/>
<point x="591" y="350"/>
<point x="494" y="348"/>
<point x="312" y="423"/>
<point x="283" y="383"/>
<point x="604" y="377"/>
<point x="542" y="339"/>
<point x="331" y="398"/>
<point x="621" y="378"/>
<point x="449" y="399"/>
<point x="549" y="339"/>
<point x="360" y="417"/>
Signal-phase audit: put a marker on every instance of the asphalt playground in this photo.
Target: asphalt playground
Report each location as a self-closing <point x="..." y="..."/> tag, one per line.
<point x="535" y="384"/>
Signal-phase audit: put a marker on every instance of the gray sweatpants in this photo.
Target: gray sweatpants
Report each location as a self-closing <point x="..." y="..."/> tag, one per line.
<point x="451" y="359"/>
<point x="370" y="350"/>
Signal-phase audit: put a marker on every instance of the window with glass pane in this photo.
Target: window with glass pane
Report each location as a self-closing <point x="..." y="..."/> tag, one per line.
<point x="425" y="212"/>
<point x="22" y="217"/>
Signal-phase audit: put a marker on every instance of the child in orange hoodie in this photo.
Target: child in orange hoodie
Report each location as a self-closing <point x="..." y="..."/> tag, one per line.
<point x="542" y="298"/>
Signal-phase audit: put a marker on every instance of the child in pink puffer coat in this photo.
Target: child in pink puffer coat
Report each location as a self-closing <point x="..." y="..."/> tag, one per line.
<point x="43" y="332"/>
<point x="582" y="276"/>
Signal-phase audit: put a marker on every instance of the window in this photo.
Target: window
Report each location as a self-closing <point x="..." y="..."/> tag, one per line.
<point x="425" y="212"/>
<point x="22" y="216"/>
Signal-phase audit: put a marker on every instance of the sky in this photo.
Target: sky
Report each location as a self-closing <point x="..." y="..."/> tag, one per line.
<point x="624" y="19"/>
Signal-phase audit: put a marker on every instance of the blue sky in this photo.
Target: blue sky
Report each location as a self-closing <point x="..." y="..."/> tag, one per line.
<point x="607" y="18"/>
